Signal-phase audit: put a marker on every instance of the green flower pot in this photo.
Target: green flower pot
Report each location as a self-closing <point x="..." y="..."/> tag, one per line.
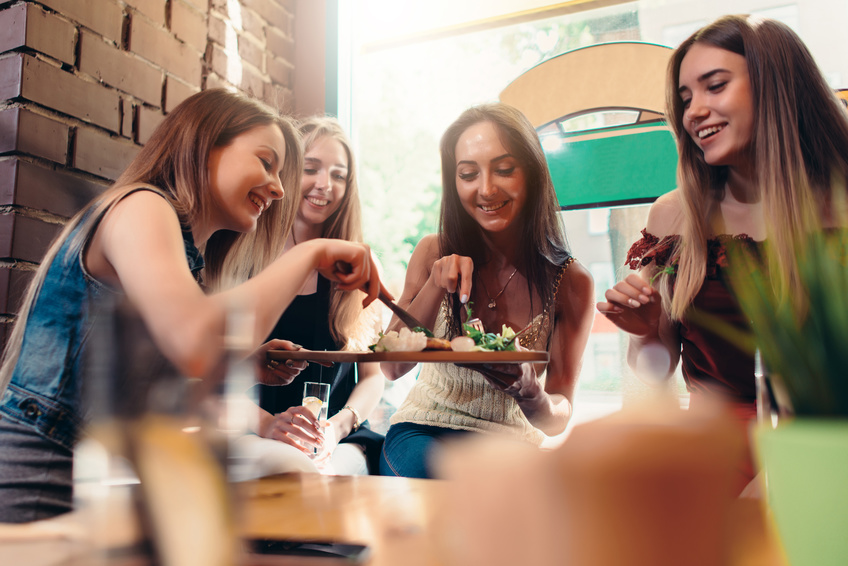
<point x="806" y="465"/>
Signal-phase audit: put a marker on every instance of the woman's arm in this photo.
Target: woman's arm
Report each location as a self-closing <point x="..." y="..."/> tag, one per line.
<point x="551" y="410"/>
<point x="364" y="398"/>
<point x="428" y="278"/>
<point x="138" y="247"/>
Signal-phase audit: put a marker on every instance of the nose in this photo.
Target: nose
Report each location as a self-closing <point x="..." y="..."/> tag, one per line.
<point x="275" y="187"/>
<point x="322" y="179"/>
<point x="695" y="111"/>
<point x="487" y="185"/>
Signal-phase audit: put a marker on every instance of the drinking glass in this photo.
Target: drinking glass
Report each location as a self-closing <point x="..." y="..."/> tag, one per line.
<point x="316" y="398"/>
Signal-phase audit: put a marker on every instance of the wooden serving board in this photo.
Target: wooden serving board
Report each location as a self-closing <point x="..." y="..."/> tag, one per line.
<point x="429" y="356"/>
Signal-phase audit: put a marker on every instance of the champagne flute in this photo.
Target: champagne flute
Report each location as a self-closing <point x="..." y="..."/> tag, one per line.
<point x="316" y="398"/>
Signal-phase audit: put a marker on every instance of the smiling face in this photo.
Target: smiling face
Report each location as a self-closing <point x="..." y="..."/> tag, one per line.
<point x="490" y="182"/>
<point x="324" y="182"/>
<point x="718" y="108"/>
<point x="245" y="177"/>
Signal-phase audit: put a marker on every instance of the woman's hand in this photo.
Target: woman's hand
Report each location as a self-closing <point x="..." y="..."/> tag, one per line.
<point x="350" y="264"/>
<point x="276" y="372"/>
<point x="298" y="427"/>
<point x="453" y="273"/>
<point x="633" y="306"/>
<point x="331" y="440"/>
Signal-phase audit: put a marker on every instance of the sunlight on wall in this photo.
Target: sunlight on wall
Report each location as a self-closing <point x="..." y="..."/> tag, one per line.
<point x="234" y="66"/>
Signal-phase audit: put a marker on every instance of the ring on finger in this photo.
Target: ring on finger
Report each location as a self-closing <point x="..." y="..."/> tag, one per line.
<point x="290" y="364"/>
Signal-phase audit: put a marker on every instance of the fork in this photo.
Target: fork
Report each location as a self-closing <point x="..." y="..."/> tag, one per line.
<point x="476" y="324"/>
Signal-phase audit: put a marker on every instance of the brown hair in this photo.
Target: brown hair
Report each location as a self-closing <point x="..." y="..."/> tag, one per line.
<point x="798" y="150"/>
<point x="349" y="324"/>
<point x="460" y="234"/>
<point x="175" y="162"/>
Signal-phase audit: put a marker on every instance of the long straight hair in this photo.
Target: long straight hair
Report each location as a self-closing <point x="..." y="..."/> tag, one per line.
<point x="175" y="162"/>
<point x="349" y="323"/>
<point x="799" y="153"/>
<point x="460" y="234"/>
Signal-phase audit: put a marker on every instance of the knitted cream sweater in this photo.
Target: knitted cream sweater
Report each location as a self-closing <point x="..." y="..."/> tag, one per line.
<point x="450" y="396"/>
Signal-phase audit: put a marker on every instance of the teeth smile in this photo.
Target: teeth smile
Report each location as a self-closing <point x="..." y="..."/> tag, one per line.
<point x="492" y="207"/>
<point x="318" y="201"/>
<point x="258" y="202"/>
<point x="706" y="132"/>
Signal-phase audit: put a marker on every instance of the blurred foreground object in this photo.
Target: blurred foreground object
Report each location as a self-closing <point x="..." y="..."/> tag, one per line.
<point x="650" y="485"/>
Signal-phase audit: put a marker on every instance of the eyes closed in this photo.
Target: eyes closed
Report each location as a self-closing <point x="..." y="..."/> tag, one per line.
<point x="471" y="175"/>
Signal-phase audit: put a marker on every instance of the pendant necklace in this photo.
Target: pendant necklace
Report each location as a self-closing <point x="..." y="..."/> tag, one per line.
<point x="493" y="300"/>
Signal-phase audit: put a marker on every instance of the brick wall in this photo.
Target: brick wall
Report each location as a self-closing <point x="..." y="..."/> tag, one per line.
<point x="83" y="83"/>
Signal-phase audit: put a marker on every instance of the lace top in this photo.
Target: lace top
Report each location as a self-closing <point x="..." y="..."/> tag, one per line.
<point x="709" y="362"/>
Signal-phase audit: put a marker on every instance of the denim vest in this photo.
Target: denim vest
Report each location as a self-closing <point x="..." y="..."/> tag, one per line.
<point x="45" y="389"/>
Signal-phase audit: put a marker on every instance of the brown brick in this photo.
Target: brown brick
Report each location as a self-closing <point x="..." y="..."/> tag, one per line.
<point x="13" y="27"/>
<point x="27" y="132"/>
<point x="253" y="24"/>
<point x="27" y="25"/>
<point x="289" y="5"/>
<point x="50" y="35"/>
<point x="270" y="11"/>
<point x="162" y="48"/>
<point x="220" y="30"/>
<point x="188" y="24"/>
<point x="214" y="80"/>
<point x="202" y="5"/>
<point x="13" y="285"/>
<point x="153" y="9"/>
<point x="176" y="91"/>
<point x="103" y="16"/>
<point x="280" y="71"/>
<point x="127" y="118"/>
<point x="252" y="82"/>
<point x="250" y="52"/>
<point x="11" y="75"/>
<point x="101" y="154"/>
<point x="25" y="238"/>
<point x="219" y="62"/>
<point x="148" y="119"/>
<point x="280" y="44"/>
<point x="52" y="87"/>
<point x="120" y="69"/>
<point x="56" y="191"/>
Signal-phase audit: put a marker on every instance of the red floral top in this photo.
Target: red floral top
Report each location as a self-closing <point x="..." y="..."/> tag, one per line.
<point x="709" y="362"/>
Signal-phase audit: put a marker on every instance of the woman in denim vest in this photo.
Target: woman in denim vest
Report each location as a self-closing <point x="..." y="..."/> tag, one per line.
<point x="211" y="178"/>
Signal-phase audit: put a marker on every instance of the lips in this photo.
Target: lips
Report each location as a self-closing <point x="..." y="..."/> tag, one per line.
<point x="315" y="201"/>
<point x="492" y="207"/>
<point x="260" y="203"/>
<point x="707" y="132"/>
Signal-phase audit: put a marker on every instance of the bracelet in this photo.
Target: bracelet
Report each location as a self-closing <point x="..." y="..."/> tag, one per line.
<point x="357" y="420"/>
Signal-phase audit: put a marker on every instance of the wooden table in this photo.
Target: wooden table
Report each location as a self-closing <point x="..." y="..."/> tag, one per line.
<point x="396" y="517"/>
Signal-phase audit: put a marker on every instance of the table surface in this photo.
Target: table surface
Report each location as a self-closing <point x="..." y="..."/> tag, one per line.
<point x="396" y="517"/>
<point x="401" y="520"/>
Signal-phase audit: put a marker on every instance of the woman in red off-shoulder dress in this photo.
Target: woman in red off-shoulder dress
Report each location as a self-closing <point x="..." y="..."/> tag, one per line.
<point x="761" y="137"/>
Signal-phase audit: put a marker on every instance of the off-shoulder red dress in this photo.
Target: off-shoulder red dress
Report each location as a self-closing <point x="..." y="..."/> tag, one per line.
<point x="710" y="363"/>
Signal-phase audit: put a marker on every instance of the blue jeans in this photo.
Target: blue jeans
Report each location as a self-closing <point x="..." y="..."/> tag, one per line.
<point x="409" y="447"/>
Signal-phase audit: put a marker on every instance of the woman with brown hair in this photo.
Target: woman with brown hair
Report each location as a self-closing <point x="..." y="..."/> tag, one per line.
<point x="217" y="166"/>
<point x="322" y="317"/>
<point x="762" y="144"/>
<point x="500" y="248"/>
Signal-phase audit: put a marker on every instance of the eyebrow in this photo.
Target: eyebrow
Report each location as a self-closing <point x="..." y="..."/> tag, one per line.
<point x="493" y="160"/>
<point x="318" y="161"/>
<point x="705" y="77"/>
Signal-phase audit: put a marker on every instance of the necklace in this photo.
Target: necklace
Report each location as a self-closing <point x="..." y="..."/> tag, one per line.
<point x="493" y="300"/>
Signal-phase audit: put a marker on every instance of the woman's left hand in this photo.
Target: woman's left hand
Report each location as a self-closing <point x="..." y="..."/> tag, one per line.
<point x="331" y="440"/>
<point x="519" y="381"/>
<point x="276" y="372"/>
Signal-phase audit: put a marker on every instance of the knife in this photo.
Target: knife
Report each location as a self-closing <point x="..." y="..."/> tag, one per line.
<point x="404" y="316"/>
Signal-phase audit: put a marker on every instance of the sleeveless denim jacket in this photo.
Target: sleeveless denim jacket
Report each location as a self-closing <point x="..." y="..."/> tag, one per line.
<point x="45" y="390"/>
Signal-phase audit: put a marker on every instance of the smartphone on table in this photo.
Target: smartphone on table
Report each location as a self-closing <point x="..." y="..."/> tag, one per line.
<point x="274" y="551"/>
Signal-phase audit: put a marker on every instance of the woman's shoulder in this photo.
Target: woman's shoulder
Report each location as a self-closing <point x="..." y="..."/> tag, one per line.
<point x="665" y="217"/>
<point x="427" y="247"/>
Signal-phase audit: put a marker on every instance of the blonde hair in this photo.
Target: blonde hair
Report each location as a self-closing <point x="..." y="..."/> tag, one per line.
<point x="798" y="151"/>
<point x="174" y="162"/>
<point x="349" y="323"/>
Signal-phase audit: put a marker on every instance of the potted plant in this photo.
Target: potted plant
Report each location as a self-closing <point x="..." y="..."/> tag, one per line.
<point x="804" y="349"/>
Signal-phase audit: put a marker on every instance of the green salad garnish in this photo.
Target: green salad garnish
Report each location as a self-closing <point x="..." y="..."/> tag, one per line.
<point x="505" y="341"/>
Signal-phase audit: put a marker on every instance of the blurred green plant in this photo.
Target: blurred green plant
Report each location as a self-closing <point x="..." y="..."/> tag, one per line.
<point x="803" y="346"/>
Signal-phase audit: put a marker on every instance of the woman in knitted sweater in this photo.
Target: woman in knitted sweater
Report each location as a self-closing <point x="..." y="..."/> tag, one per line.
<point x="501" y="250"/>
